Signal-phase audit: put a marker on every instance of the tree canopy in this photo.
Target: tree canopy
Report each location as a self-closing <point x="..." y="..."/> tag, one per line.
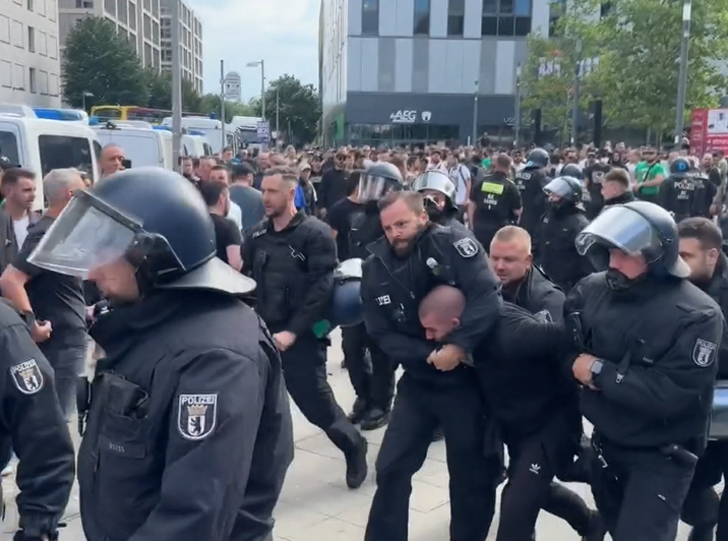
<point x="630" y="61"/>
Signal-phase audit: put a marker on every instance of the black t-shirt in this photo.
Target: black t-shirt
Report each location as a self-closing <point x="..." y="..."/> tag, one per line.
<point x="226" y="234"/>
<point x="496" y="201"/>
<point x="594" y="175"/>
<point x="55" y="297"/>
<point x="339" y="218"/>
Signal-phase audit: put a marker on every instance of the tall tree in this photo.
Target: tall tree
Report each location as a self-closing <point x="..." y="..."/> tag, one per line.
<point x="98" y="61"/>
<point x="299" y="108"/>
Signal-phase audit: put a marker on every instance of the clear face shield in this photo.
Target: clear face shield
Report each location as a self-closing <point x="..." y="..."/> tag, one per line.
<point x="373" y="188"/>
<point x="621" y="228"/>
<point x="85" y="238"/>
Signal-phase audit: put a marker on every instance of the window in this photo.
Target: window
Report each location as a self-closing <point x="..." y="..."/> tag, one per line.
<point x="40" y="7"/>
<point x="132" y="16"/>
<point x="604" y="9"/>
<point x="507" y="18"/>
<point x="51" y="8"/>
<point x="33" y="78"/>
<point x="370" y="17"/>
<point x="62" y="152"/>
<point x="30" y="5"/>
<point x="4" y="29"/>
<point x="422" y="18"/>
<point x="147" y="28"/>
<point x="52" y="47"/>
<point x="155" y="33"/>
<point x="42" y="43"/>
<point x="110" y="7"/>
<point x="6" y="74"/>
<point x="122" y="7"/>
<point x="18" y="76"/>
<point x="31" y="39"/>
<point x="17" y="33"/>
<point x="9" y="144"/>
<point x="455" y="17"/>
<point x="53" y="84"/>
<point x="84" y="4"/>
<point x="155" y="8"/>
<point x="43" y="82"/>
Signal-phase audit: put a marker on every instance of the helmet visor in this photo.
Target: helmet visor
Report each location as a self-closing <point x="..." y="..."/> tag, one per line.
<point x="559" y="186"/>
<point x="622" y="228"/>
<point x="373" y="187"/>
<point x="436" y="181"/>
<point x="83" y="238"/>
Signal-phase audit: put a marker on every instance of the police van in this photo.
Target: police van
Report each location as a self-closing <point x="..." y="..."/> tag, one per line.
<point x="42" y="145"/>
<point x="143" y="145"/>
<point x="210" y="127"/>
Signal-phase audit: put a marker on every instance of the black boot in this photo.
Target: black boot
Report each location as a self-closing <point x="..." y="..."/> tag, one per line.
<point x="701" y="533"/>
<point x="356" y="464"/>
<point x="374" y="418"/>
<point x="358" y="411"/>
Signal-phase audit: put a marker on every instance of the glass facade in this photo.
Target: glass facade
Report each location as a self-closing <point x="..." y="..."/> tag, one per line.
<point x="398" y="134"/>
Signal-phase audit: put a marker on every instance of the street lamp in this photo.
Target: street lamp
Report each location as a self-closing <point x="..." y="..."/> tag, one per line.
<point x="577" y="84"/>
<point x="683" y="74"/>
<point x="517" y="111"/>
<point x="255" y="64"/>
<point x="85" y="95"/>
<point x="475" y="112"/>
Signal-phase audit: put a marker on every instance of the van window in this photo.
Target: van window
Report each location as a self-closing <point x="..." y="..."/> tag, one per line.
<point x="63" y="151"/>
<point x="9" y="147"/>
<point x="208" y="149"/>
<point x="143" y="151"/>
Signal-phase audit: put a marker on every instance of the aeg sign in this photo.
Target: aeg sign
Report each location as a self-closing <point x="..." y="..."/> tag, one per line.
<point x="404" y="117"/>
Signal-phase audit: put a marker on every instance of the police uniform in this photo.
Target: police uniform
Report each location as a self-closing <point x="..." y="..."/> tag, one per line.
<point x="294" y="272"/>
<point x="530" y="181"/>
<point x="685" y="193"/>
<point x="497" y="201"/>
<point x="188" y="430"/>
<point x="31" y="419"/>
<point x="655" y="338"/>
<point x="392" y="289"/>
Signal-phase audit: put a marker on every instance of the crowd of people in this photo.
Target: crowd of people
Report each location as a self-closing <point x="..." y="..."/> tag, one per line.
<point x="518" y="290"/>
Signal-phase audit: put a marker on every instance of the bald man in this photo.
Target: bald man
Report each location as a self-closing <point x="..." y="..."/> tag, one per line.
<point x="534" y="404"/>
<point x="111" y="160"/>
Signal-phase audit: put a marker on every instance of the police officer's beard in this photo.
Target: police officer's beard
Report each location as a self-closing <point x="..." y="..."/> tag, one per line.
<point x="620" y="283"/>
<point x="434" y="213"/>
<point x="404" y="248"/>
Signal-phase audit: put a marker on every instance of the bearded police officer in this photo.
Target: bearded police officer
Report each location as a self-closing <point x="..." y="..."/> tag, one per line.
<point x="371" y="372"/>
<point x="189" y="433"/>
<point x="438" y="192"/>
<point x="530" y="181"/>
<point x="32" y="421"/>
<point x="646" y="346"/>
<point x="292" y="258"/>
<point x="684" y="193"/>
<point x="437" y="389"/>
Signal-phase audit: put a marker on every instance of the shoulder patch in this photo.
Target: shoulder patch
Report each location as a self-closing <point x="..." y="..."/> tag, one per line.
<point x="704" y="352"/>
<point x="544" y="316"/>
<point x="466" y="247"/>
<point x="27" y="377"/>
<point x="197" y="415"/>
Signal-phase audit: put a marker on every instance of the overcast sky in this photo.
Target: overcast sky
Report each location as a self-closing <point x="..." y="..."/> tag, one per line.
<point x="282" y="32"/>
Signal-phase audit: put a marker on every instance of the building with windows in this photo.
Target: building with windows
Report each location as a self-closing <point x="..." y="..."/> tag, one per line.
<point x="410" y="70"/>
<point x="190" y="48"/>
<point x="135" y="20"/>
<point x="29" y="60"/>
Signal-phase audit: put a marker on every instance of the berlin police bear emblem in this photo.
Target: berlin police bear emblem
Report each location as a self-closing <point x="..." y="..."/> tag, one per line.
<point x="704" y="352"/>
<point x="466" y="247"/>
<point x="197" y="415"/>
<point x="27" y="377"/>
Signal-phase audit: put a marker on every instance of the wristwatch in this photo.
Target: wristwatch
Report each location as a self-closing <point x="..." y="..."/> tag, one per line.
<point x="596" y="367"/>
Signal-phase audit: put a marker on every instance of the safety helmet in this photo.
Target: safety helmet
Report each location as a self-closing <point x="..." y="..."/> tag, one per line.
<point x="637" y="227"/>
<point x="567" y="188"/>
<point x="572" y="170"/>
<point x="436" y="181"/>
<point x="537" y="159"/>
<point x="345" y="308"/>
<point x="680" y="167"/>
<point x="151" y="217"/>
<point x="378" y="179"/>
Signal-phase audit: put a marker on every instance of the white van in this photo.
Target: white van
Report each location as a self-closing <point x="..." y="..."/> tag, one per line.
<point x="43" y="145"/>
<point x="210" y="127"/>
<point x="143" y="147"/>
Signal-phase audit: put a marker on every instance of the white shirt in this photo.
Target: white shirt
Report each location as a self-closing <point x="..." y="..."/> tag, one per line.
<point x="235" y="214"/>
<point x="20" y="228"/>
<point x="460" y="175"/>
<point x="441" y="167"/>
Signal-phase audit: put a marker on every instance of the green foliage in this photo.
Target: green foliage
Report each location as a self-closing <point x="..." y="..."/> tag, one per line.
<point x="98" y="61"/>
<point x="210" y="103"/>
<point x="638" y="47"/>
<point x="298" y="105"/>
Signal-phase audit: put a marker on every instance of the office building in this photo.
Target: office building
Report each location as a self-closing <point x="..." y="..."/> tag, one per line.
<point x="409" y="70"/>
<point x="135" y="20"/>
<point x="29" y="61"/>
<point x="191" y="44"/>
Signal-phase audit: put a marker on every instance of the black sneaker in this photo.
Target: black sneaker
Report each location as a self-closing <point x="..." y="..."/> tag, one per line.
<point x="597" y="529"/>
<point x="359" y="411"/>
<point x="356" y="465"/>
<point x="701" y="533"/>
<point x="374" y="418"/>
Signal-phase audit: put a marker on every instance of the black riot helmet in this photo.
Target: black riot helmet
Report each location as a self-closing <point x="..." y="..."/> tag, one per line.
<point x="568" y="190"/>
<point x="152" y="218"/>
<point x="571" y="170"/>
<point x="635" y="228"/>
<point x="537" y="159"/>
<point x="378" y="179"/>
<point x="439" y="182"/>
<point x="345" y="308"/>
<point x="680" y="167"/>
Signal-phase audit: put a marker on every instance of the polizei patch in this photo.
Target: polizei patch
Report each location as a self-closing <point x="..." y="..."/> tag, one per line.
<point x="27" y="377"/>
<point x="704" y="352"/>
<point x="466" y="247"/>
<point x="197" y="415"/>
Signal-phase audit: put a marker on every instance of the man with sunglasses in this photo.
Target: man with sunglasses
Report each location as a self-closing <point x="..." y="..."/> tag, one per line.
<point x="649" y="174"/>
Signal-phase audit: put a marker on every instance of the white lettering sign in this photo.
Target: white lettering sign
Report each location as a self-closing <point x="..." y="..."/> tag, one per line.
<point x="404" y="117"/>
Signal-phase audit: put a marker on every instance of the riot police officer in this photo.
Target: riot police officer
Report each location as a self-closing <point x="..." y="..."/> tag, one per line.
<point x="438" y="192"/>
<point x="563" y="221"/>
<point x="684" y="193"/>
<point x="436" y="388"/>
<point x="530" y="181"/>
<point x="191" y="377"/>
<point x="645" y="349"/>
<point x="292" y="258"/>
<point x="371" y="372"/>
<point x="495" y="201"/>
<point x="32" y="421"/>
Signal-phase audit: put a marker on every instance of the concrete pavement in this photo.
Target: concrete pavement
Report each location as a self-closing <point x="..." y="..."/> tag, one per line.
<point x="316" y="505"/>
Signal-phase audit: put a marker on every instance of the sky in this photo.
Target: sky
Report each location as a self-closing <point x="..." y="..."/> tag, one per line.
<point x="284" y="33"/>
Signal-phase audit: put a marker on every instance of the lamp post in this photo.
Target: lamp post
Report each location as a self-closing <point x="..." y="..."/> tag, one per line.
<point x="176" y="38"/>
<point x="577" y="82"/>
<point x="517" y="111"/>
<point x="683" y="74"/>
<point x="85" y="95"/>
<point x="475" y="113"/>
<point x="255" y="64"/>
